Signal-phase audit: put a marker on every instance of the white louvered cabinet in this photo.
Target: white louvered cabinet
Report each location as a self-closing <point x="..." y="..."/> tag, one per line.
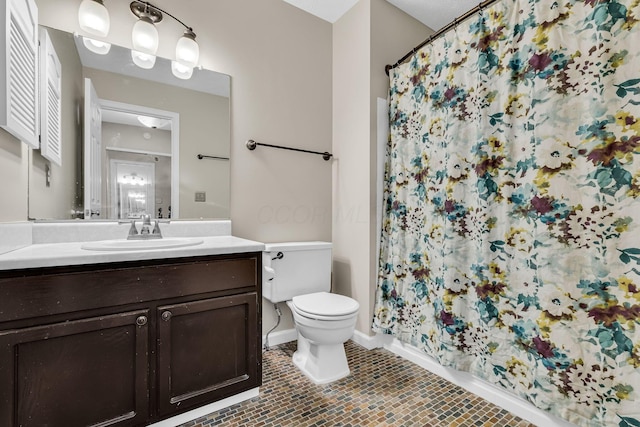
<point x="19" y="73"/>
<point x="50" y="100"/>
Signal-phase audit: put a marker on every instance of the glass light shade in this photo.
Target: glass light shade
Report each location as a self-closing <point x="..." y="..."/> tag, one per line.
<point x="143" y="60"/>
<point x="93" y="18"/>
<point x="145" y="36"/>
<point x="153" y="122"/>
<point x="187" y="50"/>
<point x="96" y="46"/>
<point x="181" y="71"/>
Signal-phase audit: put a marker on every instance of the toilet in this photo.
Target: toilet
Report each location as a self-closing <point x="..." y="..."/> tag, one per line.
<point x="300" y="274"/>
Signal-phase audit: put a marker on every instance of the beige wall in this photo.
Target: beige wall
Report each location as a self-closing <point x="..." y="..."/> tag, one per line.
<point x="351" y="173"/>
<point x="372" y="34"/>
<point x="279" y="59"/>
<point x="14" y="158"/>
<point x="297" y="81"/>
<point x="136" y="138"/>
<point x="62" y="197"/>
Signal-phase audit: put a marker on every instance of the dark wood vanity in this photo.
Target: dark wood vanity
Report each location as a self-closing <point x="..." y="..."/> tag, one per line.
<point x="128" y="343"/>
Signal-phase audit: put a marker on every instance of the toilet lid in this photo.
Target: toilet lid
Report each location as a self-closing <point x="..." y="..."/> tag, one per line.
<point x="325" y="304"/>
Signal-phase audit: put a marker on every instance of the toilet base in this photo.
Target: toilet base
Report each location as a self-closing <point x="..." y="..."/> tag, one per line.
<point x="322" y="364"/>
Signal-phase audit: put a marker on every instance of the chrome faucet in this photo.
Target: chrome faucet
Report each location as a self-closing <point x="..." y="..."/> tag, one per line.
<point x="146" y="223"/>
<point x="145" y="230"/>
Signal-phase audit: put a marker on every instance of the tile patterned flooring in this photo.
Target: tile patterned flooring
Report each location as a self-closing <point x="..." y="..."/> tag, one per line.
<point x="382" y="390"/>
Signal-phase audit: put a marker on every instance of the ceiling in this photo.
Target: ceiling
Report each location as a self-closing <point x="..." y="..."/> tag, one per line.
<point x="435" y="14"/>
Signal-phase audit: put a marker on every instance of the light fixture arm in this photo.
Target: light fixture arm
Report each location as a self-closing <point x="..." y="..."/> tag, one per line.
<point x="140" y="7"/>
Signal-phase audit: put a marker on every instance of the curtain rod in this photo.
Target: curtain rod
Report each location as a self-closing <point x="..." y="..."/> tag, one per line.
<point x="441" y="31"/>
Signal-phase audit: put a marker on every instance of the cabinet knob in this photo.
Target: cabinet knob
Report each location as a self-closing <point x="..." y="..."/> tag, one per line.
<point x="166" y="315"/>
<point x="141" y="320"/>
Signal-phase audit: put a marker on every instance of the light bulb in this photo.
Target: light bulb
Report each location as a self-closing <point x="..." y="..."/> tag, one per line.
<point x="144" y="36"/>
<point x="143" y="60"/>
<point x="153" y="122"/>
<point x="96" y="46"/>
<point x="93" y="17"/>
<point x="187" y="49"/>
<point x="181" y="71"/>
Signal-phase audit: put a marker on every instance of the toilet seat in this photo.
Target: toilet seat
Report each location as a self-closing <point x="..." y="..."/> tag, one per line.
<point x="325" y="306"/>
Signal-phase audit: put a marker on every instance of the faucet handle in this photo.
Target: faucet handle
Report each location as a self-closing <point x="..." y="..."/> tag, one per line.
<point x="133" y="231"/>
<point x="156" y="229"/>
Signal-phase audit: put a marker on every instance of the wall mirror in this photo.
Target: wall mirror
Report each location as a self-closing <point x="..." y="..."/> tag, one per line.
<point x="135" y="141"/>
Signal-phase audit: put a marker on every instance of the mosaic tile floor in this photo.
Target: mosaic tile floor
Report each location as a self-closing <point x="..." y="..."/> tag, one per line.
<point x="382" y="390"/>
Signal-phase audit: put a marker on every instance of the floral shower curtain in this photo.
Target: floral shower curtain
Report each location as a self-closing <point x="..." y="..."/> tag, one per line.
<point x="511" y="237"/>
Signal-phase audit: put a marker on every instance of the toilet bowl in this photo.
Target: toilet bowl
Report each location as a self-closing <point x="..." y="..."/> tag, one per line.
<point x="300" y="274"/>
<point x="323" y="328"/>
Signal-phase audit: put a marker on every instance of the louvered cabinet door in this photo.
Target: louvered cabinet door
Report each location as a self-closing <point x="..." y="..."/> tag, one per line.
<point x="19" y="76"/>
<point x="50" y="100"/>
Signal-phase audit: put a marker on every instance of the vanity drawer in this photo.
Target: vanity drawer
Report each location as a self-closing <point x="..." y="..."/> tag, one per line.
<point x="35" y="293"/>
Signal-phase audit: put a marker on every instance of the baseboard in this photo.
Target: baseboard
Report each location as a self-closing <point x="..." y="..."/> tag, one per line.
<point x="360" y="338"/>
<point x="281" y="337"/>
<point x="367" y="341"/>
<point x="207" y="409"/>
<point x="479" y="387"/>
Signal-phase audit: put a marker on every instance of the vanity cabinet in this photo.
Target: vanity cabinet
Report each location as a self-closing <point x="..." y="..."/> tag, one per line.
<point x="127" y="344"/>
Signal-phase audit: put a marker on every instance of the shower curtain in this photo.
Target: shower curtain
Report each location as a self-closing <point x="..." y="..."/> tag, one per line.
<point x="511" y="235"/>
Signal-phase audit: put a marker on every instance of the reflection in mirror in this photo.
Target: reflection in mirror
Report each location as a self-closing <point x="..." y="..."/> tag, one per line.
<point x="149" y="123"/>
<point x="125" y="132"/>
<point x="139" y="162"/>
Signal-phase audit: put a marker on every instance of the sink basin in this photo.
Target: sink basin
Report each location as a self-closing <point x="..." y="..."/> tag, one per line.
<point x="139" y="245"/>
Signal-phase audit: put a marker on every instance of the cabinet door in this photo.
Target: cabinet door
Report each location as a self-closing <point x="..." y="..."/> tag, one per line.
<point x="19" y="77"/>
<point x="84" y="372"/>
<point x="207" y="350"/>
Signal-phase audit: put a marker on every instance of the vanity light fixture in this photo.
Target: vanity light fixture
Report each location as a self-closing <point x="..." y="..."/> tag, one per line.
<point x="144" y="35"/>
<point x="93" y="17"/>
<point x="187" y="49"/>
<point x="145" y="38"/>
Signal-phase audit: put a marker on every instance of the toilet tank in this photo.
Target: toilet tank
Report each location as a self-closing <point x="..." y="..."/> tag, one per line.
<point x="295" y="268"/>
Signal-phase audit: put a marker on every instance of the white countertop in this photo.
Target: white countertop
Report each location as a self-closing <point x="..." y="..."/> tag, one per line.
<point x="61" y="254"/>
